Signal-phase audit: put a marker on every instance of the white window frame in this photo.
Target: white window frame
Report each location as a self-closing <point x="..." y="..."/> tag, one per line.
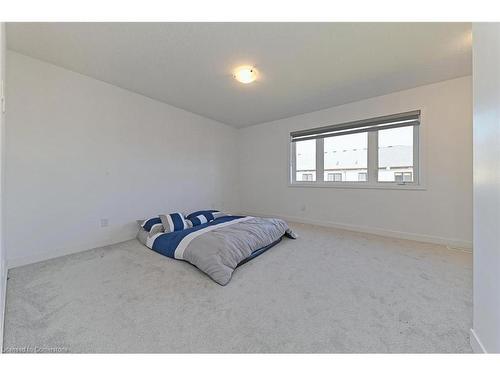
<point x="372" y="165"/>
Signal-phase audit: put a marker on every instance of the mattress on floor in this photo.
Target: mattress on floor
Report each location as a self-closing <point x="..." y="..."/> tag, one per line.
<point x="218" y="247"/>
<point x="257" y="252"/>
<point x="142" y="236"/>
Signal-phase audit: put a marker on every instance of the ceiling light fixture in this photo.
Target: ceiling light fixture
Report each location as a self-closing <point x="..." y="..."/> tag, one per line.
<point x="245" y="74"/>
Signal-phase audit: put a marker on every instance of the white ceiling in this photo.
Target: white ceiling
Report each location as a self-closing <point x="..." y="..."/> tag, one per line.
<point x="304" y="66"/>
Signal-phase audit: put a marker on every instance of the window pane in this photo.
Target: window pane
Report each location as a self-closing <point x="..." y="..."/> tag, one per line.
<point x="305" y="156"/>
<point x="395" y="155"/>
<point x="346" y="157"/>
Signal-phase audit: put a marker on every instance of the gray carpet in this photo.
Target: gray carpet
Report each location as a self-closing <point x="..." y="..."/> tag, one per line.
<point x="329" y="291"/>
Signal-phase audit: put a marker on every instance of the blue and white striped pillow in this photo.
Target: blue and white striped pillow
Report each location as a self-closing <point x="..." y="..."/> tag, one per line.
<point x="153" y="224"/>
<point x="198" y="220"/>
<point x="174" y="222"/>
<point x="208" y="214"/>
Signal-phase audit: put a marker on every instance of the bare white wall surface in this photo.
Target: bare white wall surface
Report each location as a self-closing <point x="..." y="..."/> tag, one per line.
<point x="3" y="265"/>
<point x="485" y="335"/>
<point x="79" y="150"/>
<point x="440" y="213"/>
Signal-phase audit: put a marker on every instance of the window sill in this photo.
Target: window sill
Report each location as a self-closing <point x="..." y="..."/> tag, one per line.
<point x="388" y="186"/>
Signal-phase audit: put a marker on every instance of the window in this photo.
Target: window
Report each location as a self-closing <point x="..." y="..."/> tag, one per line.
<point x="395" y="155"/>
<point x="403" y="176"/>
<point x="378" y="151"/>
<point x="334" y="177"/>
<point x="345" y="155"/>
<point x="307" y="176"/>
<point x="305" y="156"/>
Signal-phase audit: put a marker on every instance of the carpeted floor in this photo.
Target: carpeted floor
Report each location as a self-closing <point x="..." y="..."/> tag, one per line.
<point x="329" y="291"/>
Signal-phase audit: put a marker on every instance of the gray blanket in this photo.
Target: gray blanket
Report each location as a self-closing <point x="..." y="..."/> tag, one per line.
<point x="217" y="250"/>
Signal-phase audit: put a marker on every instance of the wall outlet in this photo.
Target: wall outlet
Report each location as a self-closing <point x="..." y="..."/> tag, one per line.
<point x="104" y="223"/>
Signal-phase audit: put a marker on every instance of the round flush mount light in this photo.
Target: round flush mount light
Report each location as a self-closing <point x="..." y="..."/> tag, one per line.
<point x="245" y="74"/>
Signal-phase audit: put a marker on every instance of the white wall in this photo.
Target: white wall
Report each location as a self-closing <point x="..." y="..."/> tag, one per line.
<point x="3" y="268"/>
<point x="486" y="61"/>
<point x="442" y="213"/>
<point x="79" y="150"/>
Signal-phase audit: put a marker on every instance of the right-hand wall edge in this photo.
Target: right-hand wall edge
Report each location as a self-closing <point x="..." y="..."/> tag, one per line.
<point x="485" y="334"/>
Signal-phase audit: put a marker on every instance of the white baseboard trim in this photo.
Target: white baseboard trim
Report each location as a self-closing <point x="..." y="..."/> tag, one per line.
<point x="46" y="255"/>
<point x="451" y="243"/>
<point x="477" y="345"/>
<point x="455" y="244"/>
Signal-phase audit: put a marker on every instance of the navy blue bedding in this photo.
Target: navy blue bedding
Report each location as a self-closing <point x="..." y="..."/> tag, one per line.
<point x="221" y="245"/>
<point x="166" y="243"/>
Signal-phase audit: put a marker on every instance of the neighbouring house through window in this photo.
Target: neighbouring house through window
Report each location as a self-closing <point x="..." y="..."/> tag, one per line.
<point x="375" y="151"/>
